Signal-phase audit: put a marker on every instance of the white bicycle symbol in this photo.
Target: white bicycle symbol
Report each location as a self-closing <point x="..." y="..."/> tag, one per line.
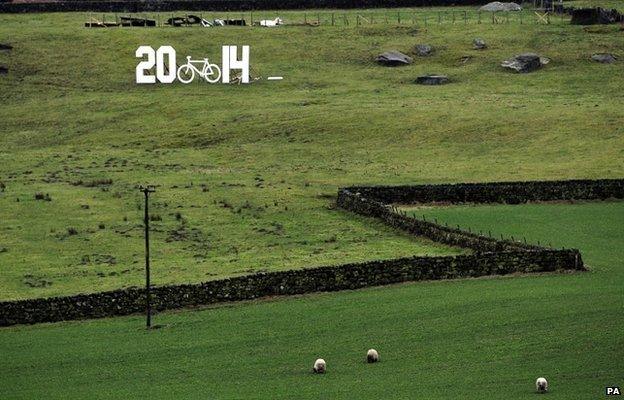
<point x="210" y="72"/>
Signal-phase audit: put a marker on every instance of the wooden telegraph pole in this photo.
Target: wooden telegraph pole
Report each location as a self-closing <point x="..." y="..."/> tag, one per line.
<point x="148" y="295"/>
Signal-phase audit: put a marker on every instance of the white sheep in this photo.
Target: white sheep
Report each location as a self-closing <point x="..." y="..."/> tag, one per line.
<point x="372" y="356"/>
<point x="541" y="385"/>
<point x="319" y="366"/>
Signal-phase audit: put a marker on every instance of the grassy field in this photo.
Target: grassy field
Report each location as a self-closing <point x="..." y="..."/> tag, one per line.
<point x="469" y="339"/>
<point x="618" y="4"/>
<point x="592" y="227"/>
<point x="246" y="175"/>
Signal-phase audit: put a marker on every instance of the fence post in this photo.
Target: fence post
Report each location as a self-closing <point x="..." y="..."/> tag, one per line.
<point x="479" y="21"/>
<point x="332" y="19"/>
<point x="439" y="18"/>
<point x="399" y="17"/>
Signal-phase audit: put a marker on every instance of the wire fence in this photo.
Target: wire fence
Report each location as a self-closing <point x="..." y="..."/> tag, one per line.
<point x="480" y="232"/>
<point x="326" y="18"/>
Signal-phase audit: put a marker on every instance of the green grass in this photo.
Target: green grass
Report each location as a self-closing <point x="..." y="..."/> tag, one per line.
<point x="469" y="339"/>
<point x="252" y="170"/>
<point x="592" y="227"/>
<point x="618" y="4"/>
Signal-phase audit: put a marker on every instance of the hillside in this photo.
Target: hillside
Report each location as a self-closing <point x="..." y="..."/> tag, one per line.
<point x="246" y="175"/>
<point x="246" y="178"/>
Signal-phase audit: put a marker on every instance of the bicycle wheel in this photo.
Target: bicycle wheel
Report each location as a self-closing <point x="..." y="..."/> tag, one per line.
<point x="186" y="73"/>
<point x="214" y="75"/>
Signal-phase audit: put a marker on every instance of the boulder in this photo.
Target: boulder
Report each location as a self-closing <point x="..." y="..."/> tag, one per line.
<point x="523" y="63"/>
<point x="5" y="46"/>
<point x="423" y="50"/>
<point x="479" y="44"/>
<point x="393" y="59"/>
<point x="432" y="80"/>
<point x="605" y="58"/>
<point x="3" y="70"/>
<point x="498" y="6"/>
<point x="595" y="16"/>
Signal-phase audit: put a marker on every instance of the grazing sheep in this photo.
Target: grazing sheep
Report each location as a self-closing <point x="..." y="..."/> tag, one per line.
<point x="541" y="385"/>
<point x="372" y="356"/>
<point x="319" y="366"/>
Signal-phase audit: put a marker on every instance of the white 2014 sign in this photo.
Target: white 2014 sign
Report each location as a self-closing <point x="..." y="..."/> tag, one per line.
<point x="167" y="70"/>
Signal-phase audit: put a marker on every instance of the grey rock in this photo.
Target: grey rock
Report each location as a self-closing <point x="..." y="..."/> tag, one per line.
<point x="605" y="58"/>
<point x="479" y="44"/>
<point x="498" y="6"/>
<point x="527" y="62"/>
<point x="393" y="58"/>
<point x="5" y="46"/>
<point x="3" y="70"/>
<point x="423" y="50"/>
<point x="432" y="80"/>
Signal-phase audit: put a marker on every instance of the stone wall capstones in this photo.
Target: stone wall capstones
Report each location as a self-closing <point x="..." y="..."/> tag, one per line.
<point x="320" y="279"/>
<point x="495" y="192"/>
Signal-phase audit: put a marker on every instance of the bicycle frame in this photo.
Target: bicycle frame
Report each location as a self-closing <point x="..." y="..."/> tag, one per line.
<point x="202" y="68"/>
<point x="206" y="68"/>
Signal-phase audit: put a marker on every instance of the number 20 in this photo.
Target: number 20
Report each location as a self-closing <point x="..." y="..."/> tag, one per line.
<point x="156" y="58"/>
